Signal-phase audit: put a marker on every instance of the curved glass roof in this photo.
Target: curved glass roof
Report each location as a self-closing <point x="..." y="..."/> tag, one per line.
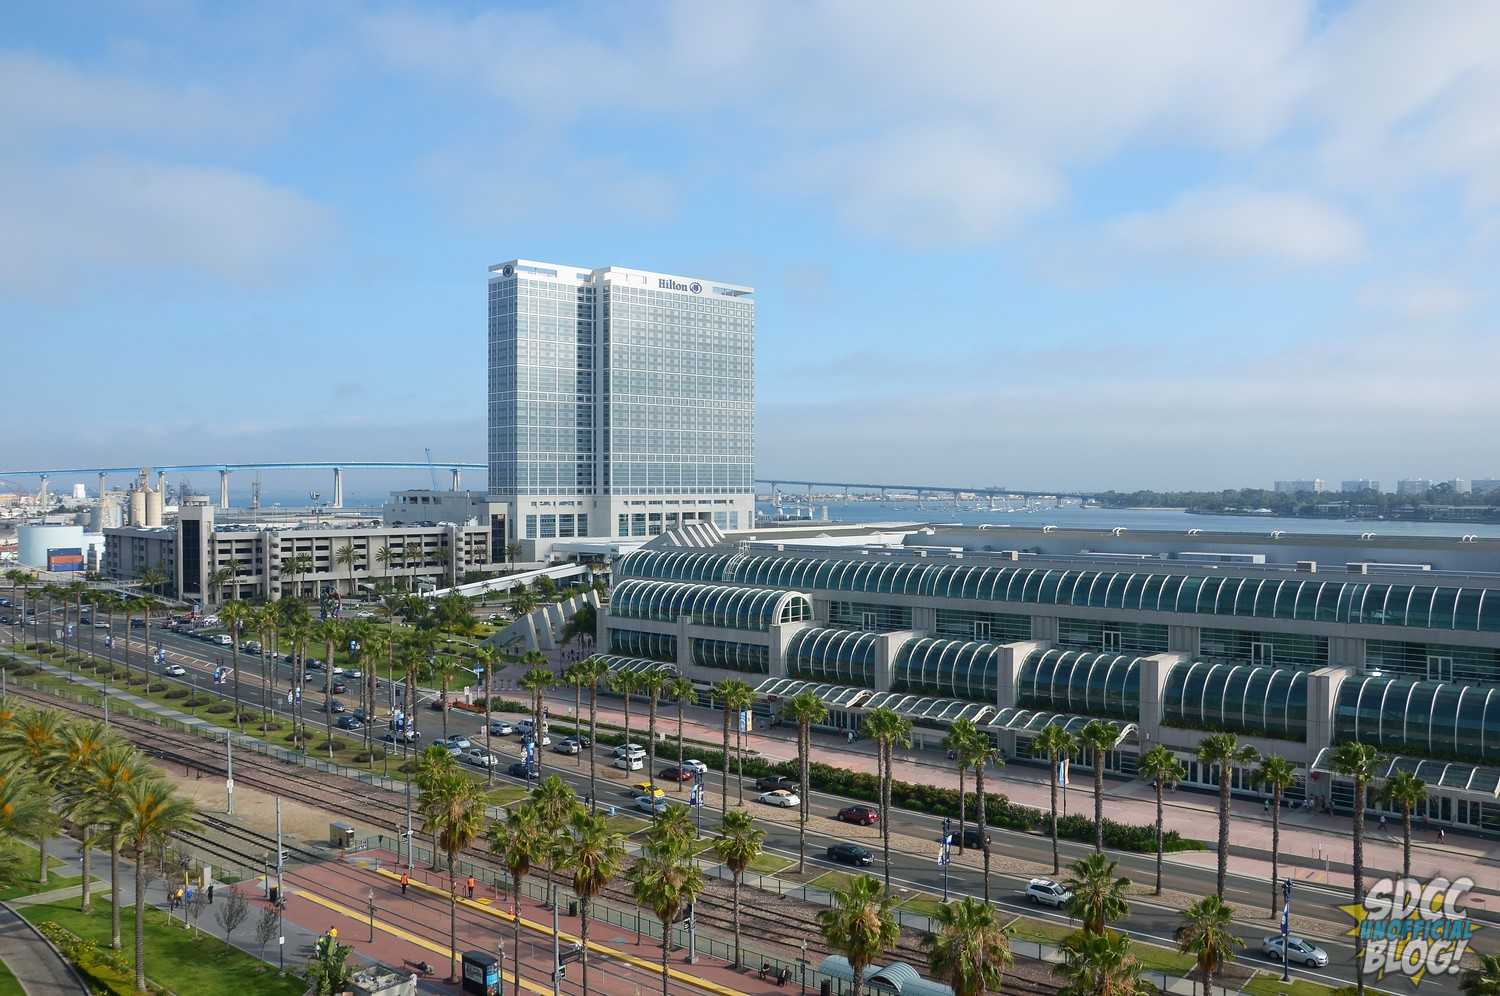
<point x="1432" y="718"/>
<point x="961" y="668"/>
<point x="846" y="656"/>
<point x="1454" y="776"/>
<point x="707" y="605"/>
<point x="840" y="696"/>
<point x="632" y="665"/>
<point x="1082" y="681"/>
<point x="1032" y="721"/>
<point x="929" y="709"/>
<point x="1450" y="607"/>
<point x="1238" y="698"/>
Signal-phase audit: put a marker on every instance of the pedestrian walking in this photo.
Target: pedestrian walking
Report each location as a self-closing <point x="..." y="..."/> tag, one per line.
<point x="470" y="884"/>
<point x="210" y="893"/>
<point x="405" y="877"/>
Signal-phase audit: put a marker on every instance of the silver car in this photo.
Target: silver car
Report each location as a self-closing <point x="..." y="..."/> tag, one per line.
<point x="1300" y="951"/>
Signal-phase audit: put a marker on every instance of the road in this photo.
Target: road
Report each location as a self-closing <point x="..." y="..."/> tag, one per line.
<point x="1147" y="920"/>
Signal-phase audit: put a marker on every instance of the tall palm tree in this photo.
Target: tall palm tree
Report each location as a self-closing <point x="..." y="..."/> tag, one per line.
<point x="217" y="579"/>
<point x="411" y="555"/>
<point x="979" y="753"/>
<point x="512" y="551"/>
<point x="383" y="557"/>
<point x="722" y="692"/>
<point x="235" y="616"/>
<point x="970" y="949"/>
<point x="454" y="813"/>
<point x="146" y="605"/>
<point x="1100" y="965"/>
<point x="485" y="655"/>
<point x="888" y="730"/>
<point x="1206" y="933"/>
<point x="79" y="747"/>
<point x="1277" y="774"/>
<point x="959" y="741"/>
<point x="264" y="622"/>
<point x="345" y="557"/>
<point x="115" y="769"/>
<point x="22" y="808"/>
<point x="1098" y="892"/>
<point x="741" y="698"/>
<point x="860" y="924"/>
<point x="33" y="738"/>
<point x="150" y="811"/>
<point x="806" y="710"/>
<point x="594" y="855"/>
<point x="576" y="675"/>
<point x="555" y="802"/>
<point x="521" y="844"/>
<point x="78" y="591"/>
<point x="740" y="843"/>
<point x="651" y="684"/>
<point x="152" y="579"/>
<point x="681" y="693"/>
<point x="433" y="765"/>
<point x="1358" y="762"/>
<point x="1225" y="752"/>
<point x="297" y="632"/>
<point x="1058" y="744"/>
<point x="333" y="634"/>
<point x="1484" y="980"/>
<point x="1161" y="768"/>
<point x="593" y="670"/>
<point x="665" y="879"/>
<point x="1099" y="737"/>
<point x="537" y="681"/>
<point x="1405" y="791"/>
<point x="624" y="684"/>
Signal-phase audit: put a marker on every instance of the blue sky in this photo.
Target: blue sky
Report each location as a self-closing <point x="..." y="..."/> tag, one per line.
<point x="1170" y="245"/>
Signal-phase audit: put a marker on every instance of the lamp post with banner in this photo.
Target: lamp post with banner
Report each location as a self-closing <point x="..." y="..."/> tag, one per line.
<point x="1286" y="925"/>
<point x="945" y="853"/>
<point x="695" y="798"/>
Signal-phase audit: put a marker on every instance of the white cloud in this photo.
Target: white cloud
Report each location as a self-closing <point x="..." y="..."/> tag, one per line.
<point x="1418" y="300"/>
<point x="1239" y="224"/>
<point x="134" y="213"/>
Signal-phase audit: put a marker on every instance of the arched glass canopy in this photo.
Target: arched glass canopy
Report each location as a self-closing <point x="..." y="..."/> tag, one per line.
<point x="707" y="605"/>
<point x="1082" y="681"/>
<point x="844" y="656"/>
<point x="960" y="668"/>
<point x="1431" y="718"/>
<point x="1237" y="698"/>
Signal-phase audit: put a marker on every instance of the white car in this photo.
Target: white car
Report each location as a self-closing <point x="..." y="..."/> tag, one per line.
<point x="567" y="745"/>
<point x="630" y="750"/>
<point x="1299" y="951"/>
<point x="1047" y="893"/>
<point x="460" y="741"/>
<point x="655" y="807"/>
<point x="694" y="765"/>
<point x="223" y="639"/>
<point x="175" y="670"/>
<point x="500" y="728"/>
<point x="352" y="672"/>
<point x="479" y="757"/>
<point x="630" y="763"/>
<point x="781" y="797"/>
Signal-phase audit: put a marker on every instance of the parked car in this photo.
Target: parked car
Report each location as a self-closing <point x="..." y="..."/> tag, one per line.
<point x="313" y="664"/>
<point x="850" y="854"/>
<point x="1046" y="892"/>
<point x="634" y="750"/>
<point x="783" y="798"/>
<point x="696" y="766"/>
<point x="862" y="816"/>
<point x="972" y="838"/>
<point x="480" y="758"/>
<point x="349" y="723"/>
<point x="1299" y="951"/>
<point x="771" y="783"/>
<point x="500" y="728"/>
<point x="517" y="769"/>
<point x="647" y="804"/>
<point x="333" y="705"/>
<point x="675" y="775"/>
<point x="646" y="788"/>
<point x="459" y="740"/>
<point x="630" y="763"/>
<point x="250" y="647"/>
<point x="352" y="673"/>
<point x="567" y="745"/>
<point x="584" y="742"/>
<point x="223" y="639"/>
<point x="175" y="670"/>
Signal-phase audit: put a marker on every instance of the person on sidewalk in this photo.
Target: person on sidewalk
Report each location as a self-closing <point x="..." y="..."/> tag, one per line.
<point x="210" y="893"/>
<point x="470" y="884"/>
<point x="405" y="878"/>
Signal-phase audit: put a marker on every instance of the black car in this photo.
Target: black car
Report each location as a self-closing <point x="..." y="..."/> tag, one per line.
<point x="361" y="715"/>
<point x="773" y="783"/>
<point x="850" y="854"/>
<point x="349" y="723"/>
<point x="971" y="838"/>
<point x="517" y="769"/>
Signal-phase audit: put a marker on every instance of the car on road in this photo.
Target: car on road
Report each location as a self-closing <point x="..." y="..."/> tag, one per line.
<point x="175" y="670"/>
<point x="634" y="750"/>
<point x="1300" y="951"/>
<point x="646" y="788"/>
<point x="517" y="769"/>
<point x="312" y="664"/>
<point x="630" y="763"/>
<point x="479" y="757"/>
<point x="250" y="647"/>
<point x="696" y="766"/>
<point x="647" y="804"/>
<point x="972" y="838"/>
<point x="567" y="745"/>
<point x="223" y="639"/>
<point x="361" y="715"/>
<point x="784" y="798"/>
<point x="675" y="775"/>
<point x="459" y="740"/>
<point x="850" y="854"/>
<point x="352" y="673"/>
<point x="339" y="688"/>
<point x="771" y="783"/>
<point x="525" y="726"/>
<point x="500" y="728"/>
<point x="394" y="739"/>
<point x="1046" y="892"/>
<point x="349" y="723"/>
<point x="860" y="816"/>
<point x="333" y="705"/>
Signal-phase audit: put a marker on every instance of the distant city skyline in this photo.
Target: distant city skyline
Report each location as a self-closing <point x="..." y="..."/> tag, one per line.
<point x="1247" y="239"/>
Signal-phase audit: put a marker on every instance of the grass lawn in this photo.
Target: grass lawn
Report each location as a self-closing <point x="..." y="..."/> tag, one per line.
<point x="506" y="794"/>
<point x="1040" y="931"/>
<point x="8" y="984"/>
<point x="769" y="864"/>
<point x="1269" y="984"/>
<point x="923" y="904"/>
<point x="1153" y="957"/>
<point x="829" y="881"/>
<point x="627" y="825"/>
<point x="200" y="964"/>
<point x="21" y="860"/>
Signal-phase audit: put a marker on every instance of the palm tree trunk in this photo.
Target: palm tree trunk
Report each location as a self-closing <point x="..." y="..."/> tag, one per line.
<point x="1158" y="837"/>
<point x="739" y="760"/>
<point x="737" y="959"/>
<point x="1223" y="829"/>
<point x="85" y="836"/>
<point x="41" y="853"/>
<point x="577" y="709"/>
<point x="885" y="810"/>
<point x="1405" y="840"/>
<point x="666" y="937"/>
<point x="583" y="937"/>
<point x="962" y="770"/>
<point x="1052" y="784"/>
<point x="489" y="763"/>
<point x="804" y="743"/>
<point x="140" y="919"/>
<point x="1098" y="802"/>
<point x="979" y="807"/>
<point x="724" y="781"/>
<point x="328" y="699"/>
<point x="114" y="890"/>
<point x="1275" y="845"/>
<point x="651" y="742"/>
<point x="1359" y="880"/>
<point x="235" y="657"/>
<point x="444" y="701"/>
<point x="516" y="935"/>
<point x="627" y="717"/>
<point x="593" y="743"/>
<point x="679" y="745"/>
<point x="452" y="920"/>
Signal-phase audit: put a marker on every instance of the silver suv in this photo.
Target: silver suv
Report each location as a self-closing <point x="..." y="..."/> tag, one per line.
<point x="1047" y="892"/>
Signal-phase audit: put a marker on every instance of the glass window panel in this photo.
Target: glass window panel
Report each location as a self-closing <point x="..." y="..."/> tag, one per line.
<point x="1208" y="595"/>
<point x="1466" y="612"/>
<point x="1151" y="593"/>
<point x="1187" y="596"/>
<point x="1286" y="599"/>
<point x="1444" y="600"/>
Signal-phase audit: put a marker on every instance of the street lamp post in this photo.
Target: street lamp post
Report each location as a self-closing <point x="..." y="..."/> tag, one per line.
<point x="802" y="966"/>
<point x="1286" y="922"/>
<point x="371" y="900"/>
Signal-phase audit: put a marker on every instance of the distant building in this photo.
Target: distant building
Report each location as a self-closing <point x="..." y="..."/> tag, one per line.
<point x="1312" y="487"/>
<point x="1484" y="485"/>
<point x="1459" y="486"/>
<point x="79" y="494"/>
<point x="1354" y="487"/>
<point x="1413" y="486"/>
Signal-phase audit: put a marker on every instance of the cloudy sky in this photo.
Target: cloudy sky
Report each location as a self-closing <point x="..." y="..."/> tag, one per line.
<point x="1077" y="245"/>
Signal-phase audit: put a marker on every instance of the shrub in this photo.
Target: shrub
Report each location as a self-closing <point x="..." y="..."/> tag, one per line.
<point x="364" y="757"/>
<point x="198" y="700"/>
<point x="157" y="686"/>
<point x="220" y="708"/>
<point x="176" y="693"/>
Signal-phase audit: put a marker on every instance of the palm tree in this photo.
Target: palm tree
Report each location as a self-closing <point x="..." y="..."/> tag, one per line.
<point x="22" y="808"/>
<point x="651" y="684"/>
<point x="383" y="557"/>
<point x="1100" y="738"/>
<point x="150" y="811"/>
<point x="887" y="729"/>
<point x="152" y="579"/>
<point x="345" y="557"/>
<point x="594" y="670"/>
<point x="33" y="738"/>
<point x="741" y="698"/>
<point x="1206" y="934"/>
<point x="979" y="753"/>
<point x="73" y="758"/>
<point x="235" y="616"/>
<point x="512" y="551"/>
<point x="960" y="738"/>
<point x="79" y="591"/>
<point x="861" y="925"/>
<point x="297" y="631"/>
<point x="217" y="579"/>
<point x="595" y="855"/>
<point x="1405" y="791"/>
<point x="665" y="879"/>
<point x="146" y="605"/>
<point x="411" y="554"/>
<point x="114" y="769"/>
<point x="537" y="681"/>
<point x="739" y="844"/>
<point x="485" y="655"/>
<point x="625" y="684"/>
<point x="555" y="802"/>
<point x="1277" y="774"/>
<point x="453" y="811"/>
<point x="1162" y="768"/>
<point x="433" y="765"/>
<point x="334" y="634"/>
<point x="1058" y="744"/>
<point x="970" y="949"/>
<point x="1224" y="751"/>
<point x="521" y="844"/>
<point x="722" y="691"/>
<point x="1100" y="965"/>
<point x="267" y="623"/>
<point x="806" y="710"/>
<point x="328" y="970"/>
<point x="1484" y="980"/>
<point x="576" y="675"/>
<point x="1357" y="762"/>
<point x="1098" y="892"/>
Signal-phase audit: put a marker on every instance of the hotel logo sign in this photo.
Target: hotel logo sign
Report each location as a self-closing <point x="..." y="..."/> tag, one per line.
<point x="667" y="283"/>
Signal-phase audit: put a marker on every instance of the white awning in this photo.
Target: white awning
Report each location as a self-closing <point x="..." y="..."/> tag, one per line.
<point x="1452" y="777"/>
<point x="1014" y="720"/>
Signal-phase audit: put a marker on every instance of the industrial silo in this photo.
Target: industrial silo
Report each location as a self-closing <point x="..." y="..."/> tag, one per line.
<point x="153" y="507"/>
<point x="137" y="506"/>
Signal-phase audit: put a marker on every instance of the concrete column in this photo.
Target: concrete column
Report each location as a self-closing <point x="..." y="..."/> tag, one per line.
<point x="224" y="489"/>
<point x="923" y="619"/>
<point x="1012" y="657"/>
<point x="338" y="487"/>
<point x="1154" y="671"/>
<point x="458" y="475"/>
<point x="1044" y="628"/>
<point x="161" y="485"/>
<point x="101" y="486"/>
<point x="1322" y="698"/>
<point x="886" y="649"/>
<point x="41" y="496"/>
<point x="1184" y="640"/>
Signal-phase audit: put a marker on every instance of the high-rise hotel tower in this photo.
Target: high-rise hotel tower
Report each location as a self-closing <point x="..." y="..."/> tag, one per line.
<point x="621" y="401"/>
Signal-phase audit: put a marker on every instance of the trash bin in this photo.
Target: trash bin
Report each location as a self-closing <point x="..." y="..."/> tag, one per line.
<point x="573" y="908"/>
<point x="481" y="973"/>
<point x="340" y="834"/>
<point x="275" y="894"/>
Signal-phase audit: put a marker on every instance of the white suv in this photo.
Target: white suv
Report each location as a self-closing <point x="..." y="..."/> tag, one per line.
<point x="1047" y="892"/>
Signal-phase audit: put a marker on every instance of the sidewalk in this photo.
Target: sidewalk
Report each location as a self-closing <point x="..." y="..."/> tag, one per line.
<point x="33" y="960"/>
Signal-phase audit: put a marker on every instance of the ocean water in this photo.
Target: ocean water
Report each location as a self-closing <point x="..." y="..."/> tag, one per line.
<point x="1078" y="517"/>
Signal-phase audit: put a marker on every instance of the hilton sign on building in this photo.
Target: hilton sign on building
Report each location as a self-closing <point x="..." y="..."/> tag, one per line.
<point x="621" y="401"/>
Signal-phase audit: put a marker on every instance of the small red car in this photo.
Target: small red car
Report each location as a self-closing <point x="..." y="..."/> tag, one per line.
<point x="863" y="816"/>
<point x="675" y="775"/>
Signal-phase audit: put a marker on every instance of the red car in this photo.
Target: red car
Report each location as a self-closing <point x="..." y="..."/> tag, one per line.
<point x="863" y="816"/>
<point x="675" y="775"/>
